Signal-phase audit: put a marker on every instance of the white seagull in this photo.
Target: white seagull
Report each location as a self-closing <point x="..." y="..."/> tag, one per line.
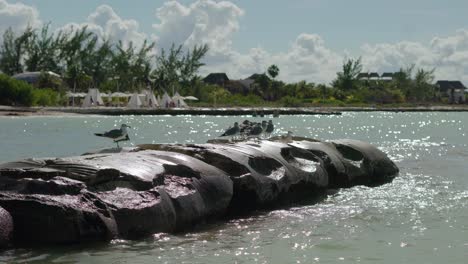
<point x="116" y="134"/>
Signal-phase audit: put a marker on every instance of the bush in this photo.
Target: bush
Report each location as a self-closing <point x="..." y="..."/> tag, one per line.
<point x="14" y="92"/>
<point x="45" y="97"/>
<point x="19" y="93"/>
<point x="244" y="100"/>
<point x="330" y="101"/>
<point x="290" y="101"/>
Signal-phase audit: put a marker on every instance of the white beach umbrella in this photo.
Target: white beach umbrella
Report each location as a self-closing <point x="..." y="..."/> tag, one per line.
<point x="193" y="98"/>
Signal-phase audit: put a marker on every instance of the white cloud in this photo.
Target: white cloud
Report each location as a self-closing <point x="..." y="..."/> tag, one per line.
<point x="307" y="59"/>
<point x="215" y="23"/>
<point x="448" y="55"/>
<point x="204" y="21"/>
<point x="108" y="25"/>
<point x="17" y="16"/>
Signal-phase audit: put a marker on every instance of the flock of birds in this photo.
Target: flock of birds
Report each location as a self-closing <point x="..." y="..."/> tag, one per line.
<point x="248" y="129"/>
<point x="245" y="130"/>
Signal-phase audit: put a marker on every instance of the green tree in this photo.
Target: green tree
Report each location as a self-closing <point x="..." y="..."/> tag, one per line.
<point x="12" y="51"/>
<point x="347" y="80"/>
<point x="218" y="94"/>
<point x="402" y="79"/>
<point x="76" y="48"/>
<point x="98" y="64"/>
<point x="273" y="71"/>
<point x="141" y="64"/>
<point x="42" y="51"/>
<point x="423" y="90"/>
<point x="177" y="70"/>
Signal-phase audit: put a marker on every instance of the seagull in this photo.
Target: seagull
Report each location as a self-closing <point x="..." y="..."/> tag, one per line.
<point x="256" y="131"/>
<point x="116" y="134"/>
<point x="232" y="131"/>
<point x="288" y="138"/>
<point x="264" y="126"/>
<point x="245" y="127"/>
<point x="269" y="128"/>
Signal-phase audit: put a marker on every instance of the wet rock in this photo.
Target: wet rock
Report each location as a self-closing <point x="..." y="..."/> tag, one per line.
<point x="137" y="192"/>
<point x="351" y="162"/>
<point x="6" y="227"/>
<point x="58" y="219"/>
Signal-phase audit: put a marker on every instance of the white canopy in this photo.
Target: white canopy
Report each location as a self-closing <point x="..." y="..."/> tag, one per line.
<point x="191" y="98"/>
<point x="149" y="100"/>
<point x="166" y="101"/>
<point x="179" y="100"/>
<point x="70" y="94"/>
<point x="135" y="101"/>
<point x="93" y="98"/>
<point x="119" y="94"/>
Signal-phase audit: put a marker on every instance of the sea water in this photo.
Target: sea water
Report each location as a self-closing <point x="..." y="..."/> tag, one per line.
<point x="420" y="217"/>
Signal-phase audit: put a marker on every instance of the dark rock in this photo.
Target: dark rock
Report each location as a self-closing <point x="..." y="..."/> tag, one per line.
<point x="136" y="192"/>
<point x="57" y="219"/>
<point x="6" y="227"/>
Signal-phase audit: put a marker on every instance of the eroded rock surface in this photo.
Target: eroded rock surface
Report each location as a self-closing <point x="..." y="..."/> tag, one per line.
<point x="167" y="187"/>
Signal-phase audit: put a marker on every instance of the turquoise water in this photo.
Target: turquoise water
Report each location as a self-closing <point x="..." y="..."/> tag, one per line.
<point x="421" y="217"/>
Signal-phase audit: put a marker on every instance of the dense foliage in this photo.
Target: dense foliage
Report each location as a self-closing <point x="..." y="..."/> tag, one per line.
<point x="83" y="60"/>
<point x="19" y="93"/>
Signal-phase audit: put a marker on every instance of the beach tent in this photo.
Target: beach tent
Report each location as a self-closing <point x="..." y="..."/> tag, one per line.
<point x="166" y="101"/>
<point x="93" y="98"/>
<point x="179" y="100"/>
<point x="149" y="100"/>
<point x="158" y="99"/>
<point x="135" y="101"/>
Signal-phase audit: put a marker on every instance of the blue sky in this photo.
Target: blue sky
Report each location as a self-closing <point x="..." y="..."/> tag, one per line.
<point x="317" y="34"/>
<point x="343" y="24"/>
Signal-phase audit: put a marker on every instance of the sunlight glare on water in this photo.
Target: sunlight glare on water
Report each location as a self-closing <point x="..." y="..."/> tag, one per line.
<point x="420" y="217"/>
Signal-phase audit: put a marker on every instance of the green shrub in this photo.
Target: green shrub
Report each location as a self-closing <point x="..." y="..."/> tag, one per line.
<point x="329" y="101"/>
<point x="290" y="101"/>
<point x="244" y="100"/>
<point x="14" y="92"/>
<point x="19" y="93"/>
<point x="45" y="97"/>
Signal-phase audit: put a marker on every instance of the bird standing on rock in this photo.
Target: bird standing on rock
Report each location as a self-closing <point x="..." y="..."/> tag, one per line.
<point x="256" y="131"/>
<point x="232" y="131"/>
<point x="269" y="128"/>
<point x="116" y="134"/>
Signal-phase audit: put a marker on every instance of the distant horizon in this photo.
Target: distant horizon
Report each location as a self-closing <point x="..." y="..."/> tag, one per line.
<point x="308" y="40"/>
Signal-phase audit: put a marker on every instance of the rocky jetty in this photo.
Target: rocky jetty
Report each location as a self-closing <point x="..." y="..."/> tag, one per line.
<point x="131" y="193"/>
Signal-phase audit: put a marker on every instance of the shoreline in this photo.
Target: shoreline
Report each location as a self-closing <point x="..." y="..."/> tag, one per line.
<point x="228" y="111"/>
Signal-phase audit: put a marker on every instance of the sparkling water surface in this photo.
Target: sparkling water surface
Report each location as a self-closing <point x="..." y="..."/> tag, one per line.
<point x="421" y="217"/>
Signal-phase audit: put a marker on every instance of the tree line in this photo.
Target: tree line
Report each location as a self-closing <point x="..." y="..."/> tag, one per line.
<point x="84" y="60"/>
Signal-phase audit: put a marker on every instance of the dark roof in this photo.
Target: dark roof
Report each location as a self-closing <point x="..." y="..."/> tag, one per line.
<point x="373" y="75"/>
<point x="256" y="75"/>
<point x="216" y="78"/>
<point x="33" y="77"/>
<point x="387" y="75"/>
<point x="447" y="85"/>
<point x="363" y="75"/>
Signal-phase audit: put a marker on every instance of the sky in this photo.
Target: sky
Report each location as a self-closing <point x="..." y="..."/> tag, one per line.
<point x="308" y="39"/>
